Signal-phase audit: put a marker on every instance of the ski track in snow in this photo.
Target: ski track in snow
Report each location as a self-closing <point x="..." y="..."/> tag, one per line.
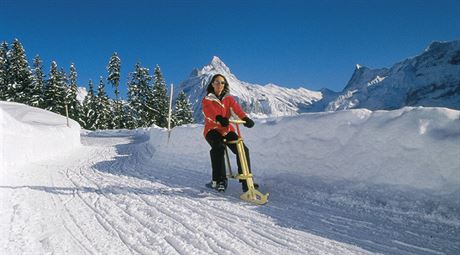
<point x="114" y="196"/>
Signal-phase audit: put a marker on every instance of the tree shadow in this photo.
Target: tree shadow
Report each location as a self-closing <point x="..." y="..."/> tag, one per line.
<point x="136" y="159"/>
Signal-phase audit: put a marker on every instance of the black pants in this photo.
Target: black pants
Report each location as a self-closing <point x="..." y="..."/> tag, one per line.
<point x="217" y="151"/>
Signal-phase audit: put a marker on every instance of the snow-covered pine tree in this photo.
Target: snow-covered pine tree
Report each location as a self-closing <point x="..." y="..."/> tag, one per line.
<point x="103" y="112"/>
<point x="160" y="99"/>
<point x="4" y="71"/>
<point x="64" y="89"/>
<point x="74" y="106"/>
<point x="128" y="114"/>
<point x="114" y="68"/>
<point x="145" y="87"/>
<point x="117" y="114"/>
<point x="53" y="95"/>
<point x="183" y="113"/>
<point x="148" y="116"/>
<point x="89" y="109"/>
<point x="21" y="76"/>
<point x="138" y="90"/>
<point x="38" y="84"/>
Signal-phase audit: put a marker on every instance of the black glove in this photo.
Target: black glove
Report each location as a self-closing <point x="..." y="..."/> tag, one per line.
<point x="223" y="121"/>
<point x="249" y="123"/>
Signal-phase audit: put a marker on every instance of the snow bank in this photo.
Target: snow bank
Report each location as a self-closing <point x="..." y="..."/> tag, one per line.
<point x="410" y="147"/>
<point x="29" y="134"/>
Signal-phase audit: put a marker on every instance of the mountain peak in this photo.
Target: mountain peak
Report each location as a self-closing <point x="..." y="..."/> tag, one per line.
<point x="435" y="45"/>
<point x="428" y="79"/>
<point x="258" y="100"/>
<point x="360" y="67"/>
<point x="217" y="66"/>
<point x="216" y="61"/>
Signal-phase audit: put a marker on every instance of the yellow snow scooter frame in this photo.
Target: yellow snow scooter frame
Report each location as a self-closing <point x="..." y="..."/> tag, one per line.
<point x="252" y="195"/>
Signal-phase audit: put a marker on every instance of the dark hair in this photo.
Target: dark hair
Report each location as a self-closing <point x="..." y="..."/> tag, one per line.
<point x="210" y="89"/>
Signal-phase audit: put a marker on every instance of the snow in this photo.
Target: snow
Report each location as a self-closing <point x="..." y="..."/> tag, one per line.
<point x="81" y="94"/>
<point x="376" y="80"/>
<point x="31" y="134"/>
<point x="431" y="78"/>
<point x="347" y="182"/>
<point x="411" y="147"/>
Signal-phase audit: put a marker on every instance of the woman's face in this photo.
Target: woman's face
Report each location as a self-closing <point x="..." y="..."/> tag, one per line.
<point x="218" y="85"/>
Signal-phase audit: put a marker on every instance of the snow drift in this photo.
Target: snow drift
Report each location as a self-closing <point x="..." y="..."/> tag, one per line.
<point x="410" y="147"/>
<point x="29" y="134"/>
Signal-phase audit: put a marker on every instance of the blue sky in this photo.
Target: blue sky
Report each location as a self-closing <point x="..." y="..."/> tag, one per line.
<point x="293" y="43"/>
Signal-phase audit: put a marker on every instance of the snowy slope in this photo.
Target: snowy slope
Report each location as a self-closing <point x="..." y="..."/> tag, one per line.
<point x="268" y="100"/>
<point x="411" y="147"/>
<point x="349" y="182"/>
<point x="30" y="134"/>
<point x="429" y="79"/>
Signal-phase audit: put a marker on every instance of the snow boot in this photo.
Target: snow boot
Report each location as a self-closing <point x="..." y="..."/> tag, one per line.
<point x="222" y="186"/>
<point x="212" y="185"/>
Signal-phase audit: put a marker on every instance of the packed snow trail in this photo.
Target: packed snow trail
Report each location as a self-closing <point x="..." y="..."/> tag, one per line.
<point x="113" y="196"/>
<point x="111" y="199"/>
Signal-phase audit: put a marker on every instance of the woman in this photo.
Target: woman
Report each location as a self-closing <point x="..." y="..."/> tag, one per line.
<point x="218" y="106"/>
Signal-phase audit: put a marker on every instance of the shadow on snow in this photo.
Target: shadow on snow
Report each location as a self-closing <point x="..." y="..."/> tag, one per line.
<point x="378" y="219"/>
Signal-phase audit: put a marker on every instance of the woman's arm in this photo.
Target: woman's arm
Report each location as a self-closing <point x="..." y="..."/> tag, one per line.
<point x="236" y="108"/>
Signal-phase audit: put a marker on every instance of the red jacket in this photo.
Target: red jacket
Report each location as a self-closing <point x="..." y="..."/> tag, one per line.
<point x="212" y="107"/>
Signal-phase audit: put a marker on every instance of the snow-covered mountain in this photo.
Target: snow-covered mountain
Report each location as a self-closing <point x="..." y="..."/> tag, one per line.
<point x="81" y="94"/>
<point x="429" y="79"/>
<point x="258" y="100"/>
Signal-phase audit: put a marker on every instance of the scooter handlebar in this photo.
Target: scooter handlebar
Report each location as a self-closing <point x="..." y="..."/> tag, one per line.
<point x="237" y="121"/>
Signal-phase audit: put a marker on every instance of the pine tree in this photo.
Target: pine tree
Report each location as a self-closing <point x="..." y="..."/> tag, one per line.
<point x="21" y="76"/>
<point x="51" y="88"/>
<point x="74" y="106"/>
<point x="102" y="107"/>
<point x="128" y="120"/>
<point x="148" y="113"/>
<point x="63" y="90"/>
<point x="117" y="114"/>
<point x="160" y="99"/>
<point x="138" y="92"/>
<point x="183" y="113"/>
<point x="89" y="109"/>
<point x="4" y="71"/>
<point x="114" y="68"/>
<point x="145" y="87"/>
<point x="38" y="84"/>
<point x="55" y="90"/>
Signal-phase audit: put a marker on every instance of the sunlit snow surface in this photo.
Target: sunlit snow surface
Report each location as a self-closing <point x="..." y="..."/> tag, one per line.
<point x="348" y="182"/>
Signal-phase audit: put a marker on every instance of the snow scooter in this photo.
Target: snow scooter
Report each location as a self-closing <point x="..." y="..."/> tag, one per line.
<point x="252" y="195"/>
